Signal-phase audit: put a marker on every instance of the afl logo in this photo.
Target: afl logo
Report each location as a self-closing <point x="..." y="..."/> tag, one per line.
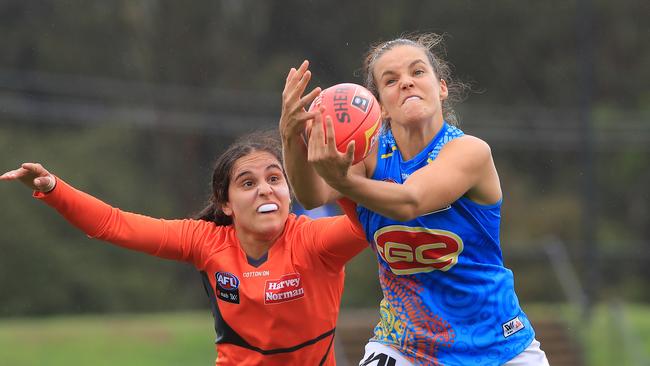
<point x="227" y="281"/>
<point x="410" y="250"/>
<point x="227" y="286"/>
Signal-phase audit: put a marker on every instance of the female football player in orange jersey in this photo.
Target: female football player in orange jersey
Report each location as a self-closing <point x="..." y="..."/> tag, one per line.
<point x="274" y="280"/>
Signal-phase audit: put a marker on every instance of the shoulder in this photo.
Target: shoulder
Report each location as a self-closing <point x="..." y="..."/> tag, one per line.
<point x="467" y="146"/>
<point x="305" y="228"/>
<point x="211" y="234"/>
<point x="207" y="225"/>
<point x="295" y="224"/>
<point x="469" y="141"/>
<point x="294" y="220"/>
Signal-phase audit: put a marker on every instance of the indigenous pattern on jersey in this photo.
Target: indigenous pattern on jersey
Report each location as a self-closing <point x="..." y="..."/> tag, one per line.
<point x="282" y="311"/>
<point x="448" y="299"/>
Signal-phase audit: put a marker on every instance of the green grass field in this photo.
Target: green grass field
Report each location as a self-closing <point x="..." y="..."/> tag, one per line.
<point x="610" y="337"/>
<point x="607" y="345"/>
<point x="156" y="340"/>
<point x="171" y="339"/>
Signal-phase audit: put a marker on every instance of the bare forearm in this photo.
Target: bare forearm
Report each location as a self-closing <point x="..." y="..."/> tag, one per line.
<point x="309" y="187"/>
<point x="396" y="201"/>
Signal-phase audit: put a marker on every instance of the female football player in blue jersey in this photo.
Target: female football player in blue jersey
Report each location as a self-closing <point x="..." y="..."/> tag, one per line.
<point x="429" y="200"/>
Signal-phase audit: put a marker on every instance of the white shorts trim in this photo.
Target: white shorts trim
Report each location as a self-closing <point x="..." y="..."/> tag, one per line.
<point x="378" y="354"/>
<point x="531" y="356"/>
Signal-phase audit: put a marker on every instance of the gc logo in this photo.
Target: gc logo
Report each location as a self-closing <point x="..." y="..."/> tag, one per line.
<point x="410" y="250"/>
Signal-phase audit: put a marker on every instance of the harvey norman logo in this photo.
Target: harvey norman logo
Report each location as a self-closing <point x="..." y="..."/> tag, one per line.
<point x="286" y="288"/>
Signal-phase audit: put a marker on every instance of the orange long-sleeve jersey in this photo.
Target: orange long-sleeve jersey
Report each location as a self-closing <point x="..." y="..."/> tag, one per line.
<point x="282" y="312"/>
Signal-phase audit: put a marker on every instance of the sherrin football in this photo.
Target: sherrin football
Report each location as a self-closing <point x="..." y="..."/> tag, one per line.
<point x="355" y="114"/>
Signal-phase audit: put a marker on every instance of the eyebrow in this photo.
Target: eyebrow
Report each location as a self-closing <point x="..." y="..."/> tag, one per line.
<point x="410" y="65"/>
<point x="271" y="166"/>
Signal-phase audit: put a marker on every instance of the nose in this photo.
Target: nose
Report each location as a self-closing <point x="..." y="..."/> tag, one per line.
<point x="406" y="82"/>
<point x="264" y="189"/>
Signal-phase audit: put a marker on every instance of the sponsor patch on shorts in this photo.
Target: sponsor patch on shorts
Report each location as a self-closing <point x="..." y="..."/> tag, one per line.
<point x="512" y="326"/>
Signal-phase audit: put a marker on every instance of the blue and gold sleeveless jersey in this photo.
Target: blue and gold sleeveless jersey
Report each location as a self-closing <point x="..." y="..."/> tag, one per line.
<point x="448" y="299"/>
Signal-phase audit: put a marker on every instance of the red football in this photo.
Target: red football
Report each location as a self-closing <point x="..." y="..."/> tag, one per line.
<point x="356" y="115"/>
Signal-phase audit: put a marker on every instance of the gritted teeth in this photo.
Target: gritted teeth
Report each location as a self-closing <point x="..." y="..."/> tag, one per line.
<point x="267" y="207"/>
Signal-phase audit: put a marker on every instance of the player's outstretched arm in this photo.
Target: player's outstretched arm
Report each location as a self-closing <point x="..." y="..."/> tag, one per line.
<point x="464" y="167"/>
<point x="172" y="239"/>
<point x="310" y="189"/>
<point x="33" y="175"/>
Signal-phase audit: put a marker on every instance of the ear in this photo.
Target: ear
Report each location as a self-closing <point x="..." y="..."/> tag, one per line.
<point x="444" y="92"/>
<point x="226" y="209"/>
<point x="384" y="113"/>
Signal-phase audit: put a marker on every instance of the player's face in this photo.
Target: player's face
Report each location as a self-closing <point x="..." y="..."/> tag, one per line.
<point x="409" y="90"/>
<point x="258" y="196"/>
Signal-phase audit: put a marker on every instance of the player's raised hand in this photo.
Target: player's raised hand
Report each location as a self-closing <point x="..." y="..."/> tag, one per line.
<point x="33" y="175"/>
<point x="294" y="105"/>
<point x="329" y="162"/>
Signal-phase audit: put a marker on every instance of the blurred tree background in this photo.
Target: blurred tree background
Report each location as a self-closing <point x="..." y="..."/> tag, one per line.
<point x="131" y="101"/>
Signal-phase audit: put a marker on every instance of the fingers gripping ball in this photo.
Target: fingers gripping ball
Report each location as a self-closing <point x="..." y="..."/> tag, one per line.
<point x="355" y="114"/>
